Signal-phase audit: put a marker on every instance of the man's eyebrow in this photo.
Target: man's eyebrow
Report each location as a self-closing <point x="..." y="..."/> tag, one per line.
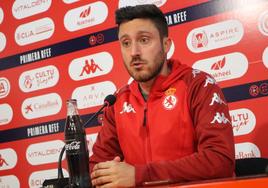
<point x="139" y="33"/>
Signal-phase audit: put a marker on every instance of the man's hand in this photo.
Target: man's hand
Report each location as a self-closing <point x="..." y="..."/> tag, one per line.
<point x="113" y="174"/>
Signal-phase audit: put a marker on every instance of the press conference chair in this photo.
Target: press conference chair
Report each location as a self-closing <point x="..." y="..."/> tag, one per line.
<point x="251" y="166"/>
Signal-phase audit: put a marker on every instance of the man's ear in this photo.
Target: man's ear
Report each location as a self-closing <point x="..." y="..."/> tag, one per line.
<point x="166" y="44"/>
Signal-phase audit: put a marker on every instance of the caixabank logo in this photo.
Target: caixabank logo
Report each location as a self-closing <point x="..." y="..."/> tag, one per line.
<point x="91" y="66"/>
<point x="86" y="16"/>
<point x="215" y="36"/>
<point x="41" y="106"/>
<point x="224" y="67"/>
<point x="35" y="31"/>
<point x="247" y="150"/>
<point x="25" y="8"/>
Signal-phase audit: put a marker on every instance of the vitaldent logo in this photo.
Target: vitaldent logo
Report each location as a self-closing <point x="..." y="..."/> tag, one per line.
<point x="263" y="23"/>
<point x="9" y="181"/>
<point x="124" y="3"/>
<point x="3" y="41"/>
<point x="246" y="150"/>
<point x="40" y="78"/>
<point x="8" y="159"/>
<point x="215" y="36"/>
<point x="225" y="67"/>
<point x="36" y="179"/>
<point x="243" y="121"/>
<point x="86" y="16"/>
<point x="25" y="8"/>
<point x="1" y="15"/>
<point x="34" y="31"/>
<point x="265" y="57"/>
<point x="4" y="87"/>
<point x="91" y="66"/>
<point x="93" y="95"/>
<point x="6" y="114"/>
<point x="41" y="106"/>
<point x="44" y="152"/>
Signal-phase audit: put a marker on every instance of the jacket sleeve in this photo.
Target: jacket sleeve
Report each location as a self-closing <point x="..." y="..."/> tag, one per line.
<point x="106" y="146"/>
<point x="214" y="156"/>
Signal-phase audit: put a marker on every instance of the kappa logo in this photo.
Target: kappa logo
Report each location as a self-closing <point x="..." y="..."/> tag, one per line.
<point x="170" y="100"/>
<point x="127" y="108"/>
<point x="2" y="161"/>
<point x="90" y="68"/>
<point x="216" y="98"/>
<point x="209" y="80"/>
<point x="220" y="118"/>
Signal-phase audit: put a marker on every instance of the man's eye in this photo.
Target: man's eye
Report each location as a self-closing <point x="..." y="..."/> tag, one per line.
<point x="125" y="43"/>
<point x="144" y="40"/>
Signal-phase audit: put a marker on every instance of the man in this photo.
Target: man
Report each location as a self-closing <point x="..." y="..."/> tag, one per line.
<point x="170" y="124"/>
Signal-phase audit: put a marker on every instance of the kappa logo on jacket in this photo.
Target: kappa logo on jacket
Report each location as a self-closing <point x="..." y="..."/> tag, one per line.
<point x="127" y="108"/>
<point x="170" y="100"/>
<point x="209" y="80"/>
<point x="216" y="98"/>
<point x="220" y="118"/>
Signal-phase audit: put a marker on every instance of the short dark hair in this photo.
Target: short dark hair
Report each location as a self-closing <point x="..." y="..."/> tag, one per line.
<point x="147" y="11"/>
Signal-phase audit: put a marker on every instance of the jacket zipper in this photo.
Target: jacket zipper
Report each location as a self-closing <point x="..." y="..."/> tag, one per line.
<point x="145" y="116"/>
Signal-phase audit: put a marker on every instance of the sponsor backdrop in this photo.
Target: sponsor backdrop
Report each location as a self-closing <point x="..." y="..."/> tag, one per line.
<point x="53" y="50"/>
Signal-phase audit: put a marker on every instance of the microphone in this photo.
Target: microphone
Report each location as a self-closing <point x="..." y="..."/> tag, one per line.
<point x="60" y="182"/>
<point x="108" y="101"/>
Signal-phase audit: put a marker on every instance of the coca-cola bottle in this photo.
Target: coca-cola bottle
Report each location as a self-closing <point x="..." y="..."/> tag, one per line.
<point x="76" y="148"/>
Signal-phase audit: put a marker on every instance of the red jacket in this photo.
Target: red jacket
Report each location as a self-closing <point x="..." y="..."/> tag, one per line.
<point x="182" y="132"/>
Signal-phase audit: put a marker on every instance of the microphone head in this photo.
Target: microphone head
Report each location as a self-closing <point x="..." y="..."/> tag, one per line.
<point x="109" y="100"/>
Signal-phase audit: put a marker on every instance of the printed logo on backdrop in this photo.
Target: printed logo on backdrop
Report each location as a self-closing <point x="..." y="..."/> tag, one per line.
<point x="246" y="150"/>
<point x="8" y="159"/>
<point x="225" y="67"/>
<point x="86" y="16"/>
<point x="40" y="78"/>
<point x="91" y="66"/>
<point x="124" y="3"/>
<point x="93" y="95"/>
<point x="3" y="41"/>
<point x="259" y="90"/>
<point x="4" y="87"/>
<point x="41" y="106"/>
<point x="25" y="8"/>
<point x="70" y="1"/>
<point x="265" y="57"/>
<point x="9" y="181"/>
<point x="215" y="36"/>
<point x="263" y="23"/>
<point x="91" y="139"/>
<point x="6" y="114"/>
<point x="44" y="152"/>
<point x="171" y="50"/>
<point x="35" y="31"/>
<point x="1" y="15"/>
<point x="243" y="121"/>
<point x="37" y="178"/>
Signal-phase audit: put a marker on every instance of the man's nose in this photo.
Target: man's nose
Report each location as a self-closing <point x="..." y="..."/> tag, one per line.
<point x="135" y="49"/>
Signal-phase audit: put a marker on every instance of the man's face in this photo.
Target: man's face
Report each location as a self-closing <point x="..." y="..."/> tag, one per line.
<point x="143" y="52"/>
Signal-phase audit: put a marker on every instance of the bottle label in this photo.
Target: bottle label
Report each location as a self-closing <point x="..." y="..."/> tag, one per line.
<point x="73" y="146"/>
